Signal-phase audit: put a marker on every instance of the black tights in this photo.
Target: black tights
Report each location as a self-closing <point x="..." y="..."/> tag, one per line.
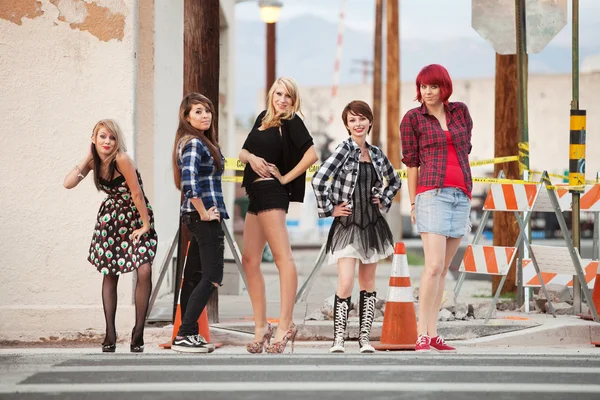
<point x="143" y="288"/>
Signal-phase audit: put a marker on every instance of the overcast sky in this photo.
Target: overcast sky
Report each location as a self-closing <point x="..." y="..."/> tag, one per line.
<point x="427" y="19"/>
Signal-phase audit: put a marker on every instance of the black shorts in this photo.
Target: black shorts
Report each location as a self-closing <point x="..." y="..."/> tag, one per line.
<point x="267" y="195"/>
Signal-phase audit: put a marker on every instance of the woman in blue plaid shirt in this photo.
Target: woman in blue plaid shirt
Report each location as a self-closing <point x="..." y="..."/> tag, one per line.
<point x="355" y="196"/>
<point x="198" y="167"/>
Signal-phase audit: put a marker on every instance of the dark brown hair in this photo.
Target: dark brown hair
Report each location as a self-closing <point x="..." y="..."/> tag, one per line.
<point x="357" y="107"/>
<point x="186" y="132"/>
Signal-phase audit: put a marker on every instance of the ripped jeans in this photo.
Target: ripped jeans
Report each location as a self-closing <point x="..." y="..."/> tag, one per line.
<point x="209" y="241"/>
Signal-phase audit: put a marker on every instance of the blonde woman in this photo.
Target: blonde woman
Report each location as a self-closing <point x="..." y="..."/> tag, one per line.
<point x="124" y="238"/>
<point x="277" y="153"/>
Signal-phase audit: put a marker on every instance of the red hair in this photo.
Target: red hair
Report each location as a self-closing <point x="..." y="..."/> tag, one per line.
<point x="435" y="74"/>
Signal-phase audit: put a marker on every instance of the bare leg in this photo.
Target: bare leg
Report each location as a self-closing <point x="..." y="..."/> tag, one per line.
<point x="452" y="245"/>
<point x="275" y="230"/>
<point x="366" y="276"/>
<point x="254" y="243"/>
<point x="346" y="268"/>
<point x="434" y="247"/>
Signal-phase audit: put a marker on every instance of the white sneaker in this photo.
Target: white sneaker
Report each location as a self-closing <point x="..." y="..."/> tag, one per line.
<point x="367" y="349"/>
<point x="338" y="346"/>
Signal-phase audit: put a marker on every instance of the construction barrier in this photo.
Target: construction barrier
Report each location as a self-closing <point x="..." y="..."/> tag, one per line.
<point x="496" y="260"/>
<point x="399" y="331"/>
<point x="557" y="263"/>
<point x="530" y="278"/>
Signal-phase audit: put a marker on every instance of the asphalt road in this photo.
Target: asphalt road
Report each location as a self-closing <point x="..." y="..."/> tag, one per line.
<point x="312" y="374"/>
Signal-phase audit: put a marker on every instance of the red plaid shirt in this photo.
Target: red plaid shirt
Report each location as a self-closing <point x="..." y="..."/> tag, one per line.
<point x="424" y="143"/>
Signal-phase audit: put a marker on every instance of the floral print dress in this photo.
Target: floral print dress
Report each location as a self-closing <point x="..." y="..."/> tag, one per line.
<point x="112" y="251"/>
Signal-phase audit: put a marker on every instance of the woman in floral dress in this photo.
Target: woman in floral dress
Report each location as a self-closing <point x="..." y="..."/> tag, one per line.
<point x="124" y="238"/>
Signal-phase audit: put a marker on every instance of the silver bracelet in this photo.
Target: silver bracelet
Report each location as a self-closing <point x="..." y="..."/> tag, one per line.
<point x="79" y="175"/>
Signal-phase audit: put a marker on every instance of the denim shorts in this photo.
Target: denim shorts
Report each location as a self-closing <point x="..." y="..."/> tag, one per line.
<point x="266" y="195"/>
<point x="443" y="211"/>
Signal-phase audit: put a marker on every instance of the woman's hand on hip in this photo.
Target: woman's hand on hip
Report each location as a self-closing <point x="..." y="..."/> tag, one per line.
<point x="260" y="166"/>
<point x="138" y="233"/>
<point x="376" y="200"/>
<point x="342" y="210"/>
<point x="274" y="171"/>
<point x="212" y="214"/>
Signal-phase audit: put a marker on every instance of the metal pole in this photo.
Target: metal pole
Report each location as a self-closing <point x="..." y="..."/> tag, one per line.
<point x="574" y="156"/>
<point x="522" y="68"/>
<point x="377" y="57"/>
<point x="270" y="56"/>
<point x="521" y="23"/>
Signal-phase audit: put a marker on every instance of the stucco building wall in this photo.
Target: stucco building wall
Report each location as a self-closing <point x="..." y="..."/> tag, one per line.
<point x="65" y="65"/>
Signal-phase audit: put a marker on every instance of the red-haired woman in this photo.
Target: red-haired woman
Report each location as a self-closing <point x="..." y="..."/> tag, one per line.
<point x="436" y="142"/>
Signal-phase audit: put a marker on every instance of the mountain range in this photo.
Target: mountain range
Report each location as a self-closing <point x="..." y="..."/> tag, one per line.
<point x="306" y="48"/>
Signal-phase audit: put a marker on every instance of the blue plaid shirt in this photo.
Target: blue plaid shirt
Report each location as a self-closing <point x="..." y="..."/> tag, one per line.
<point x="200" y="178"/>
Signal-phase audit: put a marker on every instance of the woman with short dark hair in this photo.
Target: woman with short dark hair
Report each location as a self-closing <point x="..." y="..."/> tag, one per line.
<point x="350" y="187"/>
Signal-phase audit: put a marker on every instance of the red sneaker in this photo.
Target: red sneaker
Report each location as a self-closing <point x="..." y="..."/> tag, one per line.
<point x="440" y="345"/>
<point x="423" y="343"/>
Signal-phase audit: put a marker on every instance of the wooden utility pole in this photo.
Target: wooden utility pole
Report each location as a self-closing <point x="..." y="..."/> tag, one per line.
<point x="200" y="74"/>
<point x="377" y="74"/>
<point x="393" y="84"/>
<point x="506" y="143"/>
<point x="271" y="60"/>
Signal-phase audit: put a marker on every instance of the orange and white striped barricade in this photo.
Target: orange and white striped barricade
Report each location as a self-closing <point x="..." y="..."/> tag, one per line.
<point x="496" y="260"/>
<point x="564" y="259"/>
<point x="399" y="331"/>
<point x="558" y="265"/>
<point x="530" y="278"/>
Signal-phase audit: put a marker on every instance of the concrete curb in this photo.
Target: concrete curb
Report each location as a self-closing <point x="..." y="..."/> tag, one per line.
<point x="455" y="330"/>
<point x="539" y="330"/>
<point x="572" y="331"/>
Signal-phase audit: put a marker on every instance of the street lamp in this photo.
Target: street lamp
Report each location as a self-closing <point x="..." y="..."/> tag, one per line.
<point x="269" y="10"/>
<point x="269" y="13"/>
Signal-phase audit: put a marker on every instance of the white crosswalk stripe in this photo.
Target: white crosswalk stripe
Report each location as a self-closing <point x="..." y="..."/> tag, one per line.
<point x="320" y="376"/>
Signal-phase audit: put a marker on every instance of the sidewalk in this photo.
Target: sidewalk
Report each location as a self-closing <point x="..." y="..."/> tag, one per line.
<point x="235" y="327"/>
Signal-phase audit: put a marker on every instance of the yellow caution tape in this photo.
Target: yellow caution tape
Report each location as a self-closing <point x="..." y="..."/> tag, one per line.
<point x="496" y="160"/>
<point x="234" y="164"/>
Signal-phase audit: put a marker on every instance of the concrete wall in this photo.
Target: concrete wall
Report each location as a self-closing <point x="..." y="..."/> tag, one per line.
<point x="65" y="64"/>
<point x="75" y="62"/>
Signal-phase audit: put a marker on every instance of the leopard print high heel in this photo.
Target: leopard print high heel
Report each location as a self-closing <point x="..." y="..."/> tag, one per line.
<point x="279" y="347"/>
<point x="257" y="347"/>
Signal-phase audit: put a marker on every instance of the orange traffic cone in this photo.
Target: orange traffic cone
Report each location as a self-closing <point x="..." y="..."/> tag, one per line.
<point x="399" y="330"/>
<point x="595" y="293"/>
<point x="596" y="298"/>
<point x="203" y="328"/>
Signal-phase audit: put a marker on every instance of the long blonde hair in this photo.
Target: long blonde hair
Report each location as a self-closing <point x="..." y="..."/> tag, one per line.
<point x="186" y="132"/>
<point x="272" y="117"/>
<point x="115" y="130"/>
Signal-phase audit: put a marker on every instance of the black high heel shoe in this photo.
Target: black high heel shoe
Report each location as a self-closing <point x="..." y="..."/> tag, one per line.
<point x="109" y="348"/>
<point x="136" y="347"/>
